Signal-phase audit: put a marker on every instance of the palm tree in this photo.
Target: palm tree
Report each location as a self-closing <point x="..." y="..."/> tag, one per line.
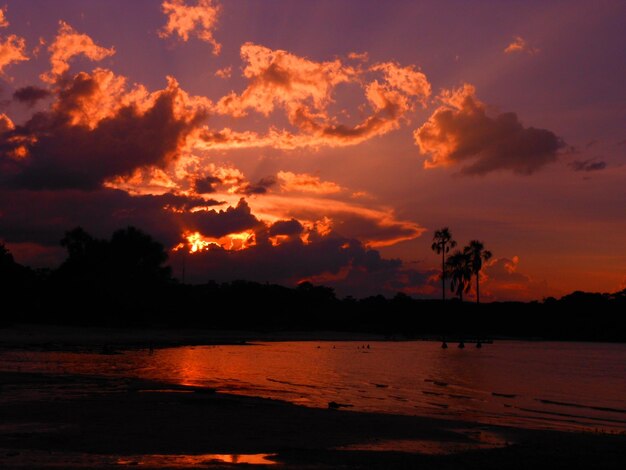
<point x="477" y="254"/>
<point x="459" y="267"/>
<point x="442" y="242"/>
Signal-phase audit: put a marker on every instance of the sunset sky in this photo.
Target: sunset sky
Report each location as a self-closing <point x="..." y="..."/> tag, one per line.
<point x="285" y="141"/>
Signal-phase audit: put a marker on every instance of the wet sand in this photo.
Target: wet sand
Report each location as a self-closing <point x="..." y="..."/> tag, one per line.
<point x="73" y="421"/>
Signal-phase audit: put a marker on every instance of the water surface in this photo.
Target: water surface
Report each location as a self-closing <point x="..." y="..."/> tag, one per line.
<point x="568" y="386"/>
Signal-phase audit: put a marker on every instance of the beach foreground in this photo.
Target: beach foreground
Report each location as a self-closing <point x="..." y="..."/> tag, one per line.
<point x="74" y="421"/>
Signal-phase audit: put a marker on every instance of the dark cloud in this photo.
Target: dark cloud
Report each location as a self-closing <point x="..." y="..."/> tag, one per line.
<point x="260" y="187"/>
<point x="207" y="184"/>
<point x="342" y="263"/>
<point x="29" y="95"/>
<point x="35" y="220"/>
<point x="64" y="153"/>
<point x="587" y="165"/>
<point x="286" y="227"/>
<point x="212" y="223"/>
<point x="388" y="280"/>
<point x="43" y="216"/>
<point x="461" y="133"/>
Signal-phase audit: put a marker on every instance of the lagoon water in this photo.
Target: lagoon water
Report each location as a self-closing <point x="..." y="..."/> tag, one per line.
<point x="567" y="386"/>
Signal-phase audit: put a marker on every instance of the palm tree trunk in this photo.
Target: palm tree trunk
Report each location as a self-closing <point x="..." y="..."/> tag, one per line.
<point x="443" y="273"/>
<point x="477" y="288"/>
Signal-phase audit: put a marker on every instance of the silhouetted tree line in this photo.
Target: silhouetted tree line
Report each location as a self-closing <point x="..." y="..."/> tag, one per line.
<point x="124" y="281"/>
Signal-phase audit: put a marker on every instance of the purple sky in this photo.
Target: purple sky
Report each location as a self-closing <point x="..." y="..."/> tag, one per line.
<point x="367" y="125"/>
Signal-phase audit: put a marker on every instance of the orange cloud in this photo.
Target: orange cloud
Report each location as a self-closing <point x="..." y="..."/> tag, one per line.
<point x="195" y="242"/>
<point x="12" y="50"/>
<point x="278" y="78"/>
<point x="519" y="44"/>
<point x="224" y="73"/>
<point x="6" y="124"/>
<point x="68" y="44"/>
<point x="315" y="203"/>
<point x="94" y="117"/>
<point x="3" y="19"/>
<point x="304" y="89"/>
<point x="360" y="56"/>
<point x="304" y="182"/>
<point x="90" y="98"/>
<point x="375" y="226"/>
<point x="406" y="79"/>
<point x="331" y="136"/>
<point x="500" y="279"/>
<point x="461" y="132"/>
<point x="199" y="20"/>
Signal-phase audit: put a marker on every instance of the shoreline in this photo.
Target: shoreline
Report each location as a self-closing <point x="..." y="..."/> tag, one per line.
<point x="93" y="339"/>
<point x="113" y="339"/>
<point x="48" y="417"/>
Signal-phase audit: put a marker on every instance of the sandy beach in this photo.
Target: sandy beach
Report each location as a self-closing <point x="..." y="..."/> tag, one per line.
<point x="74" y="421"/>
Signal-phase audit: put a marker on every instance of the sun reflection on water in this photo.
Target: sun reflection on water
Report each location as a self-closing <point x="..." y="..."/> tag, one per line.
<point x="183" y="461"/>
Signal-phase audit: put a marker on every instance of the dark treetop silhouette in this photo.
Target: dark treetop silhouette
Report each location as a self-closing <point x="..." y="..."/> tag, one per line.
<point x="130" y="257"/>
<point x="442" y="243"/>
<point x="459" y="269"/>
<point x="477" y="254"/>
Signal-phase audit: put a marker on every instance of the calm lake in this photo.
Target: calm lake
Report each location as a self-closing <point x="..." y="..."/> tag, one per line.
<point x="570" y="386"/>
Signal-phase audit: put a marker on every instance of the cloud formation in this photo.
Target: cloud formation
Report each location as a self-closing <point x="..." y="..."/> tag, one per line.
<point x="5" y="124"/>
<point x="224" y="73"/>
<point x="12" y="50"/>
<point x="375" y="226"/>
<point x="42" y="216"/>
<point x="304" y="90"/>
<point x="68" y="44"/>
<point x="279" y="78"/>
<point x="84" y="138"/>
<point x="206" y="184"/>
<point x="289" y="227"/>
<point x="500" y="278"/>
<point x="461" y="133"/>
<point x="519" y="44"/>
<point x="360" y="56"/>
<point x="103" y="154"/>
<point x="342" y="263"/>
<point x="3" y="17"/>
<point x="405" y="79"/>
<point x="287" y="250"/>
<point x="587" y="165"/>
<point x="260" y="187"/>
<point x="30" y="95"/>
<point x="303" y="182"/>
<point x="198" y="20"/>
